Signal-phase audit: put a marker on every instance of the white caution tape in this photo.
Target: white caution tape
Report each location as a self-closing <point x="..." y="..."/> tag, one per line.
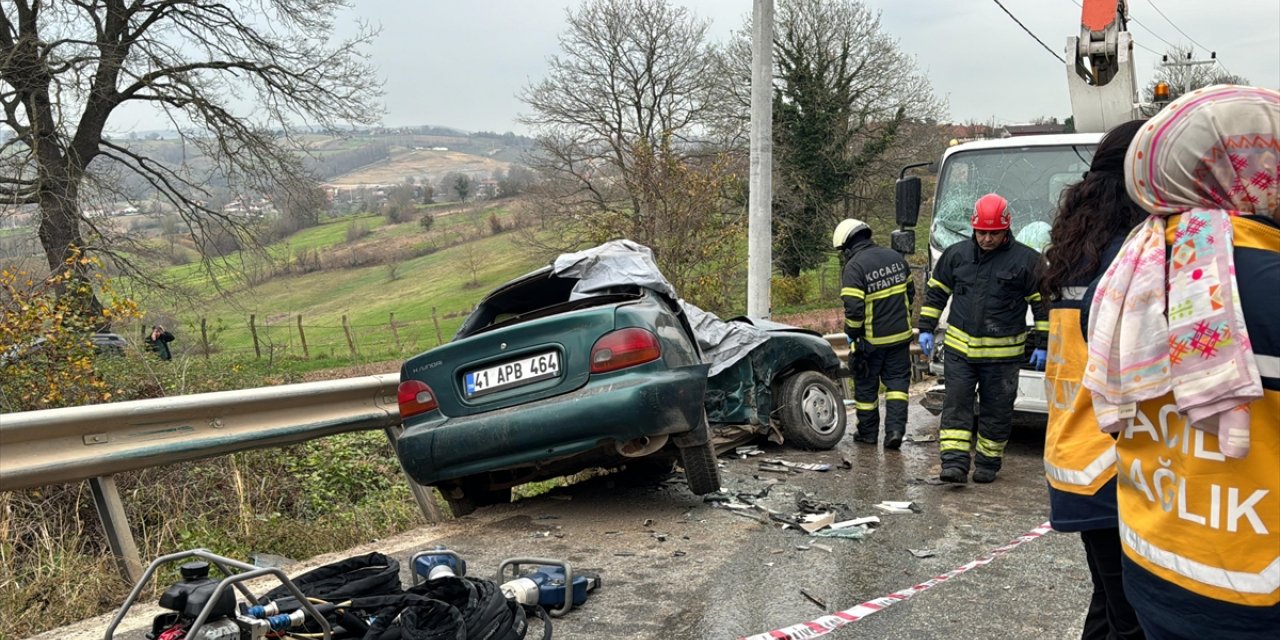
<point x="828" y="623"/>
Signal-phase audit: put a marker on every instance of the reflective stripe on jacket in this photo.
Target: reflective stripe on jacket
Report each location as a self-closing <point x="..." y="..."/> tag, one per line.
<point x="877" y="290"/>
<point x="989" y="293"/>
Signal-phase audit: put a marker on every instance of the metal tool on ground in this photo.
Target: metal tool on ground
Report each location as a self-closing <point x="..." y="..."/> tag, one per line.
<point x="204" y="608"/>
<point x="437" y="563"/>
<point x="553" y="585"/>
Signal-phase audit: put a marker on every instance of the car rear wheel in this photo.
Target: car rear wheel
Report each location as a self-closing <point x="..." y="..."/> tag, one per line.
<point x="812" y="411"/>
<point x="700" y="468"/>
<point x="470" y="493"/>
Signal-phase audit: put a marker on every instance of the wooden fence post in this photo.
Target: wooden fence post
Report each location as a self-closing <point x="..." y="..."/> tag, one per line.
<point x="253" y="329"/>
<point x="305" y="353"/>
<point x="204" y="337"/>
<point x="395" y="334"/>
<point x="346" y="328"/>
<point x="436" y="322"/>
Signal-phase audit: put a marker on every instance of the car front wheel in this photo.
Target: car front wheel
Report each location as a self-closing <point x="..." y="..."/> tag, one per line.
<point x="812" y="411"/>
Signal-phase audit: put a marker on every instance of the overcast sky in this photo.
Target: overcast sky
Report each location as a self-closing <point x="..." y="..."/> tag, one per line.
<point x="461" y="64"/>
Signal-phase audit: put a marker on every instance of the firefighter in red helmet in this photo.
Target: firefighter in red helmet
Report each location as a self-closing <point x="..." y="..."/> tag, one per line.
<point x="990" y="280"/>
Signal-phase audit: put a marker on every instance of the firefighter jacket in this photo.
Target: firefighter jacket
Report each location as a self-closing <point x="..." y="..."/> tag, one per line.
<point x="877" y="290"/>
<point x="1201" y="531"/>
<point x="1079" y="459"/>
<point x="990" y="291"/>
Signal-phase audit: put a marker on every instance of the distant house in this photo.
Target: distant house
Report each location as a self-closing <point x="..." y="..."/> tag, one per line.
<point x="487" y="188"/>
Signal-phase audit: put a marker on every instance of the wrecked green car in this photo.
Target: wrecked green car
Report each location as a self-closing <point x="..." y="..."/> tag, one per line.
<point x="594" y="362"/>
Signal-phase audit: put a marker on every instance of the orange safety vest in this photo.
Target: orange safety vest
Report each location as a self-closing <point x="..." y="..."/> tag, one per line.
<point x="1078" y="458"/>
<point x="1191" y="516"/>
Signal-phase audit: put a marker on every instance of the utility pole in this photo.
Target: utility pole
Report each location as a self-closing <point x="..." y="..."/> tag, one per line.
<point x="760" y="199"/>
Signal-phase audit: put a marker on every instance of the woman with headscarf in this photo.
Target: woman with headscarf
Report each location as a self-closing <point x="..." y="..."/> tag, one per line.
<point x="1184" y="366"/>
<point x="1093" y="219"/>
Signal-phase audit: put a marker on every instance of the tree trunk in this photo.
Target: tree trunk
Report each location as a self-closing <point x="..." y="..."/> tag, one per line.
<point x="60" y="236"/>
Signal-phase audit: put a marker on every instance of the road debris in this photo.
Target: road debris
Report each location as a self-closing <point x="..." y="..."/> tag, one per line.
<point x="922" y="553"/>
<point x="806" y="466"/>
<point x="849" y="533"/>
<point x="820" y="546"/>
<point x="648" y="522"/>
<point x="868" y="520"/>
<point x="814" y="599"/>
<point x="750" y="450"/>
<point x="813" y="522"/>
<point x="844" y="464"/>
<point x="919" y="438"/>
<point x="775" y="468"/>
<point x="893" y="506"/>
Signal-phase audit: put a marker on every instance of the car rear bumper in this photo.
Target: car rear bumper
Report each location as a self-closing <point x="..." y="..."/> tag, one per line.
<point x="616" y="407"/>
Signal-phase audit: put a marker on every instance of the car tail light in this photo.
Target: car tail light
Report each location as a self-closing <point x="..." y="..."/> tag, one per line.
<point x="415" y="397"/>
<point x="624" y="348"/>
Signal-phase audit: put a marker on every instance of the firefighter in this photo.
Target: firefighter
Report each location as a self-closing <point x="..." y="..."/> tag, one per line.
<point x="990" y="278"/>
<point x="877" y="291"/>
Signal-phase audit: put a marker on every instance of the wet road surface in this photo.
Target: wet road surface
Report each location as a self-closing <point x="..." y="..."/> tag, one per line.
<point x="675" y="566"/>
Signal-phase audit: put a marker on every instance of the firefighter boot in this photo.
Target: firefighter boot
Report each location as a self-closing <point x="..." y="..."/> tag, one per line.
<point x="955" y="475"/>
<point x="984" y="475"/>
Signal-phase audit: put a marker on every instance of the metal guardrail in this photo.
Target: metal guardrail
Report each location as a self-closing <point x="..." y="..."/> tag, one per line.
<point x="93" y="442"/>
<point x="78" y="443"/>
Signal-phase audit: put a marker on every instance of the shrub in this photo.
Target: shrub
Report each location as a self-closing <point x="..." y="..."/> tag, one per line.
<point x="790" y="291"/>
<point x="427" y="221"/>
<point x="495" y="224"/>
<point x="356" y="230"/>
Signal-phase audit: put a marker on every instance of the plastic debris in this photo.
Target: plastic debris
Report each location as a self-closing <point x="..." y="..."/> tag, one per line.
<point x="814" y="522"/>
<point x="750" y="450"/>
<point x="849" y="533"/>
<point x="868" y="520"/>
<point x="919" y="438"/>
<point x="774" y="468"/>
<point x="922" y="553"/>
<point x="892" y="506"/>
<point x="820" y="546"/>
<point x="807" y="466"/>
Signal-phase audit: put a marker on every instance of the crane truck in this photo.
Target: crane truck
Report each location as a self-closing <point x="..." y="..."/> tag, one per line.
<point x="1029" y="171"/>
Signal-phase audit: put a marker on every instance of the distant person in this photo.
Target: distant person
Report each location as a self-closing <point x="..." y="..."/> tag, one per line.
<point x="877" y="290"/>
<point x="990" y="279"/>
<point x="1184" y="366"/>
<point x="1093" y="219"/>
<point x="159" y="341"/>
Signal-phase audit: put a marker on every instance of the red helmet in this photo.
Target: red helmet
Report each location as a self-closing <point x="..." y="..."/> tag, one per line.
<point x="990" y="213"/>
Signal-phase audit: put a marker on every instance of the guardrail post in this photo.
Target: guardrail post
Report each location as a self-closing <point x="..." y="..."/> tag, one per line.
<point x="111" y="512"/>
<point x="424" y="495"/>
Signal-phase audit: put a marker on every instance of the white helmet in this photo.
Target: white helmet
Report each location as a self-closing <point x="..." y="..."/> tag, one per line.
<point x="848" y="228"/>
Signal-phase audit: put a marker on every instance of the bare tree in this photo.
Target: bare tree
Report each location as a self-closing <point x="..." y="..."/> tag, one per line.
<point x="631" y="74"/>
<point x="1184" y="74"/>
<point x="68" y="66"/>
<point x="848" y="105"/>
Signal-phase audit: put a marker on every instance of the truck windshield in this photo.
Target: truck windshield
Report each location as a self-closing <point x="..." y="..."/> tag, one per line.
<point x="1030" y="178"/>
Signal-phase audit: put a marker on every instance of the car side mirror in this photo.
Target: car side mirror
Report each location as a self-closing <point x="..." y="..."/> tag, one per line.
<point x="903" y="241"/>
<point x="907" y="201"/>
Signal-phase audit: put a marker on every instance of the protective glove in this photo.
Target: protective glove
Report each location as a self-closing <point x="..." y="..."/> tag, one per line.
<point x="1038" y="358"/>
<point x="926" y="342"/>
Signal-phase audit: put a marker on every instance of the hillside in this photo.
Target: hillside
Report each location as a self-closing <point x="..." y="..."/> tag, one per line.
<point x="421" y="164"/>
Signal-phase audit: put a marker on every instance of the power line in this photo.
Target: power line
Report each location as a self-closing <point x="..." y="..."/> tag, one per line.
<point x="1188" y="37"/>
<point x="1037" y="38"/>
<point x="1179" y="30"/>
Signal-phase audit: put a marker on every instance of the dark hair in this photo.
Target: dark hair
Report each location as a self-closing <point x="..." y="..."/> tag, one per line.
<point x="1090" y="213"/>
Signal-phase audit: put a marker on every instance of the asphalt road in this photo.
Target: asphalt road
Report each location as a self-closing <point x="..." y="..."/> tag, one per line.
<point x="675" y="566"/>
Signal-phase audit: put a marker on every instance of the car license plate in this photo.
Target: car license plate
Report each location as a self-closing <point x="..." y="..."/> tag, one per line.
<point x="512" y="374"/>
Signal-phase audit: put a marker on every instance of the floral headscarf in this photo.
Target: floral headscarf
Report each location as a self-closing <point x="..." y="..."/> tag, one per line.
<point x="1209" y="155"/>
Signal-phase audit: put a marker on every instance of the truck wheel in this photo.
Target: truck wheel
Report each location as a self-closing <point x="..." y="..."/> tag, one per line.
<point x="700" y="468"/>
<point x="812" y="411"/>
<point x="467" y="494"/>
